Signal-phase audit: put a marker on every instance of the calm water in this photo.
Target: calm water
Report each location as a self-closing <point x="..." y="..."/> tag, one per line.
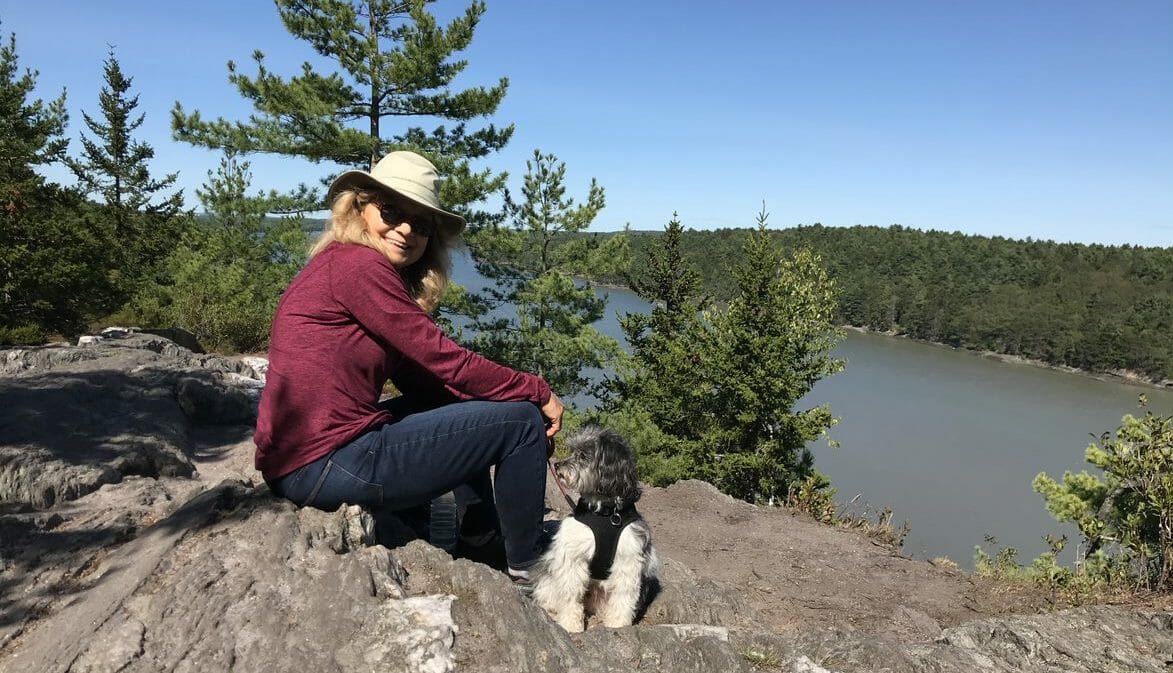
<point x="949" y="440"/>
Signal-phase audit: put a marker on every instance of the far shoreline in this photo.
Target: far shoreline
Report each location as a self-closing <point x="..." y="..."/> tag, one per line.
<point x="1130" y="378"/>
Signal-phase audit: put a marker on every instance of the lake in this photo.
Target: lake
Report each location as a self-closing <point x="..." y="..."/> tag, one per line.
<point x="948" y="439"/>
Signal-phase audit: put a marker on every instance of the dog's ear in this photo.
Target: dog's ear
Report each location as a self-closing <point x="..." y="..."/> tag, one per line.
<point x="615" y="465"/>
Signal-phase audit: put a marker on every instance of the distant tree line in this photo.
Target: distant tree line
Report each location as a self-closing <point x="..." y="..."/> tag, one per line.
<point x="1099" y="308"/>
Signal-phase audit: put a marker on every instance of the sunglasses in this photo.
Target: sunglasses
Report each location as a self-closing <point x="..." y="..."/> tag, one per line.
<point x="421" y="224"/>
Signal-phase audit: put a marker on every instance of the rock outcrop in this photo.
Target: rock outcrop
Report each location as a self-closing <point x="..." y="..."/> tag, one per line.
<point x="134" y="536"/>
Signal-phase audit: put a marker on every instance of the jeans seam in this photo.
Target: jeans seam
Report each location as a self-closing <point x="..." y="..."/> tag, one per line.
<point x="452" y="433"/>
<point x="318" y="485"/>
<point x="360" y="480"/>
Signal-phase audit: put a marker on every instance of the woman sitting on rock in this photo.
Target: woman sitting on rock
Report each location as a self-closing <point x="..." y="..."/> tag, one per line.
<point x="357" y="316"/>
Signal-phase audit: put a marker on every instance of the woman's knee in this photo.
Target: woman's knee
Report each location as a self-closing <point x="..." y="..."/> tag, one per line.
<point x="526" y="413"/>
<point x="531" y="436"/>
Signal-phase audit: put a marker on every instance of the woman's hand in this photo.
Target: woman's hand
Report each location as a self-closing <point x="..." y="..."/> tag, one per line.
<point x="552" y="410"/>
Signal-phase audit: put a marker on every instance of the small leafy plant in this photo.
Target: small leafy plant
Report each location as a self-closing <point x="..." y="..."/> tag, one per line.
<point x="1125" y="517"/>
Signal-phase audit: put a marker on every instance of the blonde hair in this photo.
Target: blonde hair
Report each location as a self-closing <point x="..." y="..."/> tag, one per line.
<point x="426" y="279"/>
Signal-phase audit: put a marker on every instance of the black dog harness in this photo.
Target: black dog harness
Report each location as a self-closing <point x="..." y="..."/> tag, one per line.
<point x="606" y="523"/>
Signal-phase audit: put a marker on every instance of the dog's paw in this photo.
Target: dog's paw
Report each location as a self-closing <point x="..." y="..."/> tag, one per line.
<point x="617" y="623"/>
<point x="572" y="623"/>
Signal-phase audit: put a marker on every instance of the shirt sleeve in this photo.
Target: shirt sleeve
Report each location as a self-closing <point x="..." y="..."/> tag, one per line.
<point x="373" y="292"/>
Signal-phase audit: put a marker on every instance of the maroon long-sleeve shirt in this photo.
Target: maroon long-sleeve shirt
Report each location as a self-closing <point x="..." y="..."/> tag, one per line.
<point x="344" y="327"/>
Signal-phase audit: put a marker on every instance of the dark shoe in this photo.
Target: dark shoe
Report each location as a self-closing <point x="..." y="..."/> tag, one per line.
<point x="444" y="523"/>
<point x="490" y="553"/>
<point x="524" y="585"/>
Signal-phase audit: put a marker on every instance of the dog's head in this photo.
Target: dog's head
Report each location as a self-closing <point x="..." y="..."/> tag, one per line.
<point x="601" y="465"/>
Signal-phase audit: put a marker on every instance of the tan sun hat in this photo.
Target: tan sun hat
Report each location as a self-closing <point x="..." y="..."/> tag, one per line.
<point x="404" y="174"/>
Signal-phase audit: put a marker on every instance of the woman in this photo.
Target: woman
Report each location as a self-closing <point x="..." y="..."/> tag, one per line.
<point x="357" y="316"/>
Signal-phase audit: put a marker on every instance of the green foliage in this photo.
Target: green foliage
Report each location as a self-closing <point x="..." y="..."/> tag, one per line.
<point x="113" y="165"/>
<point x="228" y="272"/>
<point x="22" y="335"/>
<point x="814" y="496"/>
<point x="1094" y="307"/>
<point x="663" y="378"/>
<point x="1003" y="565"/>
<point x="762" y="659"/>
<point x="1099" y="576"/>
<point x="537" y="317"/>
<point x="53" y="258"/>
<point x="395" y="62"/>
<point x="31" y="133"/>
<point x="138" y="213"/>
<point x="720" y="386"/>
<point x="1126" y="517"/>
<point x="772" y="344"/>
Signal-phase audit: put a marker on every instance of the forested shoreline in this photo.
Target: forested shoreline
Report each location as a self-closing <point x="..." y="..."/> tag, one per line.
<point x="1097" y="308"/>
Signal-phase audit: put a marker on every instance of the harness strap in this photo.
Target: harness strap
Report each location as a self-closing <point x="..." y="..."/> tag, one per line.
<point x="606" y="524"/>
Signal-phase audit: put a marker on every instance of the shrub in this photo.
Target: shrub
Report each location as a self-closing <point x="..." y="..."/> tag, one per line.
<point x="1126" y="517"/>
<point x="23" y="335"/>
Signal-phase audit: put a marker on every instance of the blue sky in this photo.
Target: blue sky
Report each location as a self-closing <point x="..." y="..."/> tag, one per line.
<point x="1051" y="119"/>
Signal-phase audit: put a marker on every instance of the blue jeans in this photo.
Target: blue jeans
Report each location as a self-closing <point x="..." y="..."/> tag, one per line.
<point x="422" y="455"/>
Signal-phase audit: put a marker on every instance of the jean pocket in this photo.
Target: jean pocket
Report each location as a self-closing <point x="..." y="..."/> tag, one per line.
<point x="337" y="486"/>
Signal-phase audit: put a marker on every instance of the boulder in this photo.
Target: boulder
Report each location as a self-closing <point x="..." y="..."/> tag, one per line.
<point x="181" y="337"/>
<point x="209" y="398"/>
<point x="65" y="433"/>
<point x="76" y="418"/>
<point x="238" y="579"/>
<point x="260" y="366"/>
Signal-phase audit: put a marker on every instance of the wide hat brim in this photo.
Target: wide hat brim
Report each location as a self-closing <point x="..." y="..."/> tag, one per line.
<point x="403" y="175"/>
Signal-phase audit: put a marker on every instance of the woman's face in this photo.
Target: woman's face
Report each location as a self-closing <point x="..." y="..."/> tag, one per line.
<point x="401" y="234"/>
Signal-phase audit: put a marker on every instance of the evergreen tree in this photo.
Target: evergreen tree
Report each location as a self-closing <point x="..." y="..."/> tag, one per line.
<point x="141" y="214"/>
<point x="50" y="265"/>
<point x="32" y="133"/>
<point x="228" y="272"/>
<point x="395" y="62"/>
<point x="672" y="284"/>
<point x="662" y="376"/>
<point x="113" y="164"/>
<point x="770" y="346"/>
<point x="657" y="392"/>
<point x="533" y="263"/>
<point x="716" y="394"/>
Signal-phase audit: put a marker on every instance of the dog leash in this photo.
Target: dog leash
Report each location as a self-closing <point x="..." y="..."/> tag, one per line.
<point x="558" y="481"/>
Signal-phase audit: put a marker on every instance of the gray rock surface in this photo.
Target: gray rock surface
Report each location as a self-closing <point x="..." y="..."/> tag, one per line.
<point x="238" y="579"/>
<point x="134" y="536"/>
<point x="75" y="418"/>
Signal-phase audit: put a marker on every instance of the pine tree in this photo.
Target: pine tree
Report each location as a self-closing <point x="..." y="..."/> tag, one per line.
<point x="113" y="164"/>
<point x="656" y="394"/>
<point x="658" y="377"/>
<point x="395" y="62"/>
<point x="228" y="272"/>
<point x="672" y="284"/>
<point x="711" y="393"/>
<point x="31" y="133"/>
<point x="142" y="214"/>
<point x="769" y="348"/>
<point x="51" y="266"/>
<point x="1125" y="510"/>
<point x="533" y="263"/>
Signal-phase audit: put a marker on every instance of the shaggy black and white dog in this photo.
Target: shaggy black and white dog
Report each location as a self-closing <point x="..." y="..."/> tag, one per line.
<point x="601" y="560"/>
